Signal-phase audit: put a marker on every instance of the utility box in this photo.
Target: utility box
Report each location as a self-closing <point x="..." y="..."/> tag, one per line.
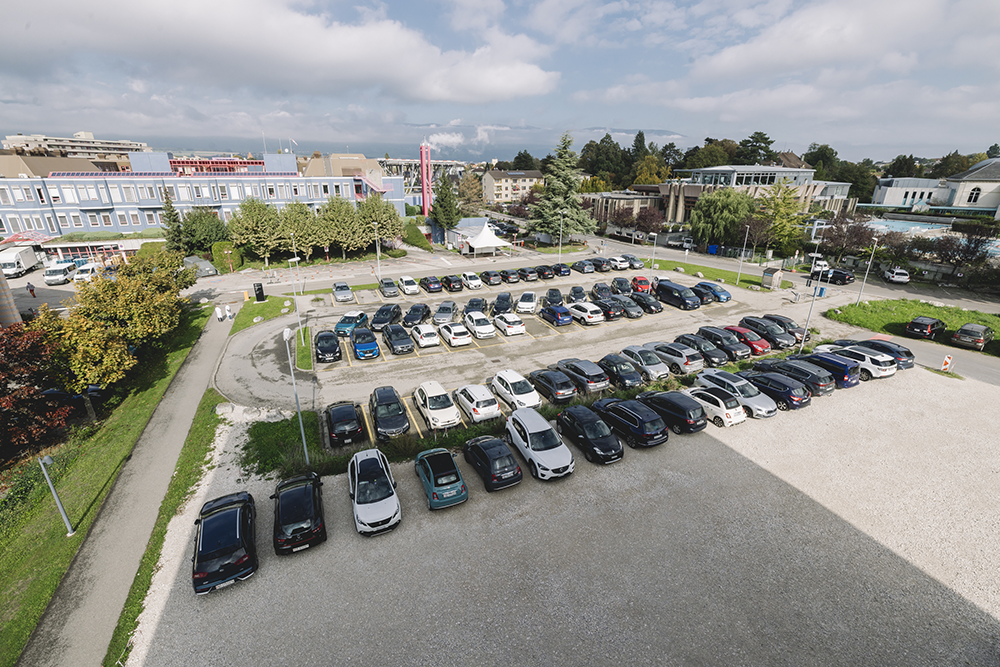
<point x="772" y="278"/>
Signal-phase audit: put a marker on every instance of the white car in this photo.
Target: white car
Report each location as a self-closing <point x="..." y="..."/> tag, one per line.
<point x="874" y="364"/>
<point x="424" y="335"/>
<point x="619" y="263"/>
<point x="373" y="493"/>
<point x="477" y="402"/>
<point x="756" y="404"/>
<point x="511" y="387"/>
<point x="436" y="406"/>
<point x="722" y="408"/>
<point x="896" y="276"/>
<point x="527" y="303"/>
<point x="408" y="285"/>
<point x="341" y="293"/>
<point x="586" y="313"/>
<point x="471" y="280"/>
<point x="479" y="325"/>
<point x="455" y="334"/>
<point x="509" y="324"/>
<point x="543" y="450"/>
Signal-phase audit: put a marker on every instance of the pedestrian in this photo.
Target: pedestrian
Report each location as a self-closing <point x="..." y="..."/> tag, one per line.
<point x="31" y="288"/>
<point x="218" y="313"/>
<point x="229" y="312"/>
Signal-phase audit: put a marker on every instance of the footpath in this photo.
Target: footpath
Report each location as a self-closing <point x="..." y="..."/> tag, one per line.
<point x="77" y="625"/>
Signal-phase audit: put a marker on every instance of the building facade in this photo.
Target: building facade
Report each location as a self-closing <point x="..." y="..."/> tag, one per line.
<point x="509" y="186"/>
<point x="974" y="191"/>
<point x="81" y="144"/>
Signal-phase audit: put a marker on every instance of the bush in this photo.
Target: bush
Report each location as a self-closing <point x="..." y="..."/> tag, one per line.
<point x="151" y="248"/>
<point x="221" y="260"/>
<point x="396" y="253"/>
<point x="413" y="236"/>
<point x="412" y="210"/>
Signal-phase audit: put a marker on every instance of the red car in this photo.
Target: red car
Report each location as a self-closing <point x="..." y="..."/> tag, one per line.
<point x="640" y="284"/>
<point x="757" y="345"/>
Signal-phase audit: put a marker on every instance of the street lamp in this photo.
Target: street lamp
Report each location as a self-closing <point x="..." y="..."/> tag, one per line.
<point x="561" y="214"/>
<point x="229" y="256"/>
<point x="870" y="260"/>
<point x="47" y="461"/>
<point x="295" y="254"/>
<point x="743" y="252"/>
<point x="378" y="255"/>
<point x="288" y="334"/>
<point x="652" y="253"/>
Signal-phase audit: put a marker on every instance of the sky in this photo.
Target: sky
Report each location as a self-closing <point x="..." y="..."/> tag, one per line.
<point x="485" y="79"/>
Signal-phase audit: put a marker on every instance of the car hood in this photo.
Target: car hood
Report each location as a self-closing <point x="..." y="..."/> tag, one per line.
<point x="761" y="401"/>
<point x="383" y="509"/>
<point x="554" y="458"/>
<point x="393" y="423"/>
<point x="445" y="414"/>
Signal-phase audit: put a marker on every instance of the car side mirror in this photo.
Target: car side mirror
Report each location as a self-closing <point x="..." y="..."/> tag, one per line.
<point x="273" y="496"/>
<point x="197" y="521"/>
<point x="351" y="495"/>
<point x="319" y="483"/>
<point x="394" y="485"/>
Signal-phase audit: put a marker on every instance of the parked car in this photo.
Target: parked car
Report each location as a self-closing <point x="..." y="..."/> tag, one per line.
<point x="647" y="302"/>
<point x="721" y="407"/>
<point x="455" y="334"/>
<point x="903" y="356"/>
<point x="225" y="542"/>
<point x="611" y="309"/>
<point x="620" y="285"/>
<point x="600" y="291"/>
<point x="504" y="303"/>
<point x="681" y="359"/>
<point x="431" y="284"/>
<point x="925" y="327"/>
<point x="493" y="462"/>
<point x="972" y="335"/>
<point x="509" y="276"/>
<point x="873" y="364"/>
<point x="490" y="278"/>
<point x="756" y="404"/>
<point x="538" y="443"/>
<point x="553" y="297"/>
<point x="475" y="305"/>
<point x="587" y="431"/>
<point x="452" y="283"/>
<point x="445" y="313"/>
<point x="298" y="514"/>
<point x="425" y="335"/>
<point x="722" y="295"/>
<point x="647" y="362"/>
<point x="576" y="295"/>
<point x="342" y="293"/>
<point x="619" y="263"/>
<point x="633" y="261"/>
<point x="477" y="402"/>
<point x="417" y="314"/>
<point x="634" y="422"/>
<point x="680" y="412"/>
<point x="777" y="337"/>
<point x="553" y="385"/>
<point x="586" y="313"/>
<point x="628" y="306"/>
<point x="349" y="322"/>
<point x="676" y="295"/>
<point x="835" y="276"/>
<point x="711" y="355"/>
<point x="846" y="372"/>
<point x="527" y="274"/>
<point x="373" y="493"/>
<point x="527" y="303"/>
<point x="440" y="477"/>
<point x="704" y="294"/>
<point x="790" y="326"/>
<point x="545" y="272"/>
<point x="561" y="269"/>
<point x="345" y="425"/>
<point x="61" y="274"/>
<point x="397" y="340"/>
<point x="480" y="327"/>
<point x="588" y="377"/>
<point x="758" y="346"/>
<point x="436" y="406"/>
<point x="726" y="341"/>
<point x="601" y="265"/>
<point x="388" y="288"/>
<point x="512" y="388"/>
<point x="583" y="266"/>
<point x="818" y="380"/>
<point x="621" y="372"/>
<point x="471" y="280"/>
<point x="640" y="284"/>
<point x="327" y="347"/>
<point x="408" y="285"/>
<point x="557" y="316"/>
<point x="788" y="393"/>
<point x="388" y="413"/>
<point x="364" y="344"/>
<point x="898" y="276"/>
<point x="509" y="324"/>
<point x="387" y="314"/>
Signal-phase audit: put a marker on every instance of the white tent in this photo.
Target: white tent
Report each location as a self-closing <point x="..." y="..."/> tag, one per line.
<point x="486" y="240"/>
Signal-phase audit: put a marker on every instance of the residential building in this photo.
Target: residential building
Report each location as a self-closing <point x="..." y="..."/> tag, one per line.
<point x="974" y="191"/>
<point x="509" y="186"/>
<point x="81" y="144"/>
<point x="909" y="192"/>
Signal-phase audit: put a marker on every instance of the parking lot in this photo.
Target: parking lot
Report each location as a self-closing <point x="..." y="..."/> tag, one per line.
<point x="860" y="530"/>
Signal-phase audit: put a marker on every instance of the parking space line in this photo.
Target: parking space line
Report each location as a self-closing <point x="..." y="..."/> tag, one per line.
<point x="413" y="420"/>
<point x="369" y="424"/>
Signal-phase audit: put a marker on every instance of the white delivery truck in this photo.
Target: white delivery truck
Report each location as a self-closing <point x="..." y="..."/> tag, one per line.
<point x="18" y="261"/>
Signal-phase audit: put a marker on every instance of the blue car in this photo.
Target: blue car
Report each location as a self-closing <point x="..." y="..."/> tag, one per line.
<point x="441" y="478"/>
<point x="721" y="295"/>
<point x="365" y="345"/>
<point x="788" y="393"/>
<point x="556" y="315"/>
<point x="846" y="373"/>
<point x="561" y="269"/>
<point x="350" y="320"/>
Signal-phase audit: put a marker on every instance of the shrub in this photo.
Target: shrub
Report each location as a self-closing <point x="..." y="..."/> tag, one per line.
<point x="151" y="248"/>
<point x="221" y="260"/>
<point x="396" y="253"/>
<point x="413" y="236"/>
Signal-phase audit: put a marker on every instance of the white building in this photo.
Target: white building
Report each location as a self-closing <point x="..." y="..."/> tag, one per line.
<point x="976" y="190"/>
<point x="82" y="144"/>
<point x="509" y="186"/>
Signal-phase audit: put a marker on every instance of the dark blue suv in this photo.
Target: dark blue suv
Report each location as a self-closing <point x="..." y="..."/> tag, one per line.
<point x="637" y="424"/>
<point x="788" y="393"/>
<point x="677" y="295"/>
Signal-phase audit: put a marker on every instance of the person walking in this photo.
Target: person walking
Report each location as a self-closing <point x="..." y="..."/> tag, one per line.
<point x="31" y="289"/>
<point x="218" y="313"/>
<point x="229" y="312"/>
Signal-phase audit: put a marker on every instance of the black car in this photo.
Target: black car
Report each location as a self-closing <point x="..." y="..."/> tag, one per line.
<point x="706" y="295"/>
<point x="835" y="276"/>
<point x="475" y="305"/>
<point x="389" y="313"/>
<point x="600" y="291"/>
<point x="725" y="341"/>
<point x="417" y="314"/>
<point x="634" y="422"/>
<point x="504" y="304"/>
<point x="621" y="285"/>
<point x="647" y="302"/>
<point x="769" y="331"/>
<point x="527" y="274"/>
<point x="576" y="295"/>
<point x="396" y="339"/>
<point x="631" y="309"/>
<point x="344" y="423"/>
<point x="388" y="413"/>
<point x="620" y="371"/>
<point x="789" y="325"/>
<point x="225" y="543"/>
<point x="545" y="272"/>
<point x="561" y="269"/>
<point x="713" y="356"/>
<point x="452" y="283"/>
<point x="583" y="266"/>
<point x="601" y="265"/>
<point x="612" y="309"/>
<point x="925" y="327"/>
<point x="819" y="380"/>
<point x="492" y="460"/>
<point x="509" y="276"/>
<point x="490" y="278"/>
<point x="788" y="393"/>
<point x="553" y="297"/>
<point x="585" y="429"/>
<point x="430" y="284"/>
<point x="586" y="375"/>
<point x="553" y="385"/>
<point x="327" y="346"/>
<point x="681" y="413"/>
<point x="298" y="514"/>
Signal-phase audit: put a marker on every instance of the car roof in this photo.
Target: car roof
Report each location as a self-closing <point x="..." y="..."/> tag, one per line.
<point x="725" y="375"/>
<point x="974" y="327"/>
<point x="406" y="278"/>
<point x="339" y="285"/>
<point x="432" y="388"/>
<point x="353" y="313"/>
<point x="385" y="394"/>
<point x="738" y="329"/>
<point x="424" y="328"/>
<point x="532" y="420"/>
<point x="341" y="408"/>
<point x="510" y="375"/>
<point x="478" y="391"/>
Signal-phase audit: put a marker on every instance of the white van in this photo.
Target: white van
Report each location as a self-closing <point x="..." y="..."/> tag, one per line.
<point x="87" y="272"/>
<point x="60" y="274"/>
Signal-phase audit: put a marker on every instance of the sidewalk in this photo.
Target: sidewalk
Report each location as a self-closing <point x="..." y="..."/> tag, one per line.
<point x="77" y="625"/>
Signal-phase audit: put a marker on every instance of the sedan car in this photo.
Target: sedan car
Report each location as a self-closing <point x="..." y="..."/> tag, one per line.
<point x="493" y="462"/>
<point x="471" y="280"/>
<point x="647" y="362"/>
<point x="619" y="263"/>
<point x="509" y="324"/>
<point x="477" y="402"/>
<point x="553" y="297"/>
<point x="408" y="285"/>
<point x="788" y="393"/>
<point x="424" y="335"/>
<point x="452" y="283"/>
<point x="372" y="490"/>
<point x="712" y="355"/>
<point x="758" y="346"/>
<point x="721" y="407"/>
<point x="647" y="302"/>
<point x="327" y="347"/>
<point x="445" y="313"/>
<point x="972" y="335"/>
<point x="818" y="380"/>
<point x="388" y="413"/>
<point x="225" y="543"/>
<point x="345" y="425"/>
<point x="364" y="344"/>
<point x="478" y="325"/>
<point x="441" y="478"/>
<point x="583" y="266"/>
<point x="545" y="272"/>
<point x="622" y="373"/>
<point x="576" y="295"/>
<point x="557" y="316"/>
<point x="512" y="388"/>
<point x="350" y="320"/>
<point x="600" y="291"/>
<point x="436" y="406"/>
<point x="455" y="334"/>
<point x="526" y="303"/>
<point x="586" y="313"/>
<point x="396" y="340"/>
<point x="490" y="278"/>
<point x="553" y="385"/>
<point x="417" y="314"/>
<point x="634" y="422"/>
<point x="431" y="284"/>
<point x="756" y="404"/>
<point x="509" y="276"/>
<point x="538" y="443"/>
<point x="387" y="314"/>
<point x="527" y="274"/>
<point x="721" y="294"/>
<point x="388" y="288"/>
<point x="504" y="303"/>
<point x="925" y="327"/>
<point x="583" y="427"/>
<point x="342" y="293"/>
<point x="298" y="514"/>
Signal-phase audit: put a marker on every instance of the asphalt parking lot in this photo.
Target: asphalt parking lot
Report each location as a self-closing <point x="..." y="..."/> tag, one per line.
<point x="860" y="530"/>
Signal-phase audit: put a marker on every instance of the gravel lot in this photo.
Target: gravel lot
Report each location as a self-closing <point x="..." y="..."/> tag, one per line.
<point x="860" y="530"/>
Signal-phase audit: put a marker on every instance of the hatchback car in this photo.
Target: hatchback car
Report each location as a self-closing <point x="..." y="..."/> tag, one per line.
<point x="538" y="443"/>
<point x="471" y="280"/>
<point x="441" y="478"/>
<point x="526" y="303"/>
<point x="588" y="377"/>
<point x="387" y="314"/>
<point x="818" y="380"/>
<point x="788" y="393"/>
<point x="583" y="266"/>
<point x="388" y="413"/>
<point x="509" y="324"/>
<point x="681" y="359"/>
<point x="681" y="413"/>
<point x="633" y="261"/>
<point x="417" y="314"/>
<point x="553" y="297"/>
<point x="408" y="285"/>
<point x="586" y="313"/>
<point x="874" y="364"/>
<point x="640" y="284"/>
<point x="430" y="284"/>
<point x="388" y="288"/>
<point x="527" y="274"/>
<point x="611" y="309"/>
<point x="557" y="316"/>
<point x="327" y="346"/>
<point x="587" y="431"/>
<point x="509" y="276"/>
<point x="634" y="422"/>
<point x="712" y="355"/>
<point x="455" y="334"/>
<point x="298" y="514"/>
<point x="225" y="542"/>
<point x="622" y="373"/>
<point x="725" y="341"/>
<point x="424" y="335"/>
<point x="478" y="325"/>
<point x="974" y="336"/>
<point x="721" y="407"/>
<point x="721" y="294"/>
<point x="396" y="340"/>
<point x="758" y="346"/>
<point x="553" y="385"/>
<point x="512" y="388"/>
<point x="504" y="303"/>
<point x="452" y="283"/>
<point x="477" y="402"/>
<point x="790" y="326"/>
<point x="342" y="293"/>
<point x="545" y="272"/>
<point x="925" y="327"/>
<point x="490" y="278"/>
<point x="350" y="320"/>
<point x="364" y="344"/>
<point x="561" y="269"/>
<point x="436" y="406"/>
<point x="706" y="295"/>
<point x="756" y="404"/>
<point x="373" y="493"/>
<point x="777" y="337"/>
<point x="647" y="302"/>
<point x="445" y="313"/>
<point x="647" y="362"/>
<point x="601" y="265"/>
<point x="493" y="462"/>
<point x="345" y="424"/>
<point x="621" y="285"/>
<point x="628" y="306"/>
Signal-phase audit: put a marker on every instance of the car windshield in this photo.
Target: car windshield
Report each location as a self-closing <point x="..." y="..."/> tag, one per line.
<point x="701" y="345"/>
<point x="480" y="322"/>
<point x="625" y="367"/>
<point x="219" y="532"/>
<point x="503" y="300"/>
<point x="729" y="339"/>
<point x="415" y="311"/>
<point x="396" y="334"/>
<point x="966" y="331"/>
<point x="596" y="429"/>
<point x="521" y="387"/>
<point x="792" y="325"/>
<point x="364" y="337"/>
<point x="654" y="426"/>
<point x="342" y="287"/>
<point x="648" y="358"/>
<point x="749" y="335"/>
<point x="527" y="297"/>
<point x="747" y="390"/>
<point x="444" y="309"/>
<point x="373" y="488"/>
<point x="884" y="363"/>
<point x="541" y="441"/>
<point x="296" y="507"/>
<point x="56" y="272"/>
<point x="326" y="343"/>
<point x="774" y="329"/>
<point x="687" y="294"/>
<point x="439" y="402"/>
<point x="386" y="410"/>
<point x="408" y="282"/>
<point x="384" y="311"/>
<point x="486" y="403"/>
<point x="350" y="319"/>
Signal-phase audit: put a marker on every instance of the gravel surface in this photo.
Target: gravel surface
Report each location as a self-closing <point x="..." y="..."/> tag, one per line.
<point x="859" y="530"/>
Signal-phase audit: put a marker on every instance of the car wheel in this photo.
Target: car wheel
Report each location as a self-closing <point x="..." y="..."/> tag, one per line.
<point x="782" y="405"/>
<point x="533" y="469"/>
<point x="748" y="412"/>
<point x="865" y="375"/>
<point x="630" y="441"/>
<point x="676" y="428"/>
<point x="589" y="455"/>
<point x="675" y="369"/>
<point x="718" y="422"/>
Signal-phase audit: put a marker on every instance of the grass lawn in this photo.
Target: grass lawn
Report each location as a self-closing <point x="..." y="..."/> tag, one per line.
<point x="327" y="290"/>
<point x="747" y="278"/>
<point x="892" y="317"/>
<point x="190" y="467"/>
<point x="34" y="550"/>
<point x="267" y="309"/>
<point x="553" y="250"/>
<point x="303" y="353"/>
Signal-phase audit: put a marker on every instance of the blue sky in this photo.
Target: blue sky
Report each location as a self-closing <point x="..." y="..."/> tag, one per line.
<point x="485" y="78"/>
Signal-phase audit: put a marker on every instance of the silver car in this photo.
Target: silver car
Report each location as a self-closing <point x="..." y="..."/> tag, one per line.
<point x="388" y="287"/>
<point x="683" y="360"/>
<point x="445" y="313"/>
<point x="342" y="292"/>
<point x="646" y="362"/>
<point x="755" y="404"/>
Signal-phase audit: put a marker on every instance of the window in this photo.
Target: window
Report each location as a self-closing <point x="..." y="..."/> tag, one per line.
<point x="135" y="219"/>
<point x="223" y="193"/>
<point x="5" y="197"/>
<point x="69" y="194"/>
<point x="94" y="222"/>
<point x="122" y="220"/>
<point x="326" y="189"/>
<point x="38" y="223"/>
<point x="150" y="192"/>
<point x="234" y="190"/>
<point x="270" y="192"/>
<point x="63" y="220"/>
<point x="215" y="192"/>
<point x="974" y="195"/>
<point x="197" y="192"/>
<point x="129" y="193"/>
<point x="92" y="193"/>
<point x="18" y="195"/>
<point x="54" y="195"/>
<point x="3" y="229"/>
<point x="281" y="191"/>
<point x="184" y="192"/>
<point x="256" y="190"/>
<point x="171" y="191"/>
<point x="51" y="223"/>
<point x="906" y="195"/>
<point x="28" y="196"/>
<point x="15" y="223"/>
<point x="150" y="218"/>
<point x="106" y="219"/>
<point x="116" y="195"/>
<point x="77" y="221"/>
<point x="295" y="191"/>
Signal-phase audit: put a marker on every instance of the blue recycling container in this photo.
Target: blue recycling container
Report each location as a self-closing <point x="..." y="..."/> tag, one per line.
<point x="713" y="250"/>
<point x="822" y="291"/>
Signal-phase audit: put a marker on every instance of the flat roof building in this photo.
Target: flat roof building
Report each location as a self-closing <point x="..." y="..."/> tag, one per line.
<point x="81" y="144"/>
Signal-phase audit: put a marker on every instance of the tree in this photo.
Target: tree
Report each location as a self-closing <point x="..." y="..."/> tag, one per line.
<point x="649" y="220"/>
<point x="755" y="149"/>
<point x="470" y="194"/>
<point x="904" y="166"/>
<point x="718" y="216"/>
<point x="203" y="228"/>
<point x="297" y="223"/>
<point x="671" y="155"/>
<point x="949" y="165"/>
<point x="976" y="158"/>
<point x="558" y="206"/>
<point x="712" y="155"/>
<point x="376" y="213"/>
<point x="976" y="240"/>
<point x="821" y="153"/>
<point x="759" y="232"/>
<point x="340" y="226"/>
<point x="778" y="205"/>
<point x="651" y="170"/>
<point x="639" y="148"/>
<point x="846" y="235"/>
<point x="593" y="184"/>
<point x="993" y="151"/>
<point x="173" y="227"/>
<point x="604" y="159"/>
<point x="861" y="178"/>
<point x="524" y="161"/>
<point x="445" y="211"/>
<point x="255" y="225"/>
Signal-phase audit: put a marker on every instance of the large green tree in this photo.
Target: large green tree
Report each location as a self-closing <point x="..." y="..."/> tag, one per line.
<point x="779" y="206"/>
<point x="558" y="206"/>
<point x="606" y="160"/>
<point x="470" y="194"/>
<point x="951" y="164"/>
<point x="173" y="227"/>
<point x="378" y="214"/>
<point x="255" y="226"/>
<point x="650" y="170"/>
<point x="718" y="216"/>
<point x="712" y="155"/>
<point x="298" y="223"/>
<point x="904" y="166"/>
<point x="339" y="221"/>
<point x="755" y="149"/>
<point x="203" y="228"/>
<point x="860" y="177"/>
<point x="524" y="161"/>
<point x="445" y="211"/>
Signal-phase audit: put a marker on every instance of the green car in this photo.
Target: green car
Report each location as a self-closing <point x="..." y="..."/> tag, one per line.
<point x="441" y="478"/>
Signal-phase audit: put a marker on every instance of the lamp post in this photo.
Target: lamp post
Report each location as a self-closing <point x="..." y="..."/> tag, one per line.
<point x="295" y="255"/>
<point x="288" y="334"/>
<point x="652" y="253"/>
<point x="229" y="256"/>
<point x="870" y="260"/>
<point x="378" y="255"/>
<point x="743" y="252"/>
<point x="561" y="214"/>
<point x="47" y="461"/>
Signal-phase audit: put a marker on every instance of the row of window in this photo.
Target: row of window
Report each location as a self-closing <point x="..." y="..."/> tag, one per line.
<point x="26" y="223"/>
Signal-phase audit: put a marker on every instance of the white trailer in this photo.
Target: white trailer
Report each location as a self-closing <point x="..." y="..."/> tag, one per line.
<point x="18" y="261"/>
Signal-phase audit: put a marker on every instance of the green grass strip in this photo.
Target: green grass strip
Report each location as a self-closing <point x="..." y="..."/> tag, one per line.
<point x="329" y="290"/>
<point x="267" y="309"/>
<point x="191" y="465"/>
<point x="712" y="274"/>
<point x="303" y="353"/>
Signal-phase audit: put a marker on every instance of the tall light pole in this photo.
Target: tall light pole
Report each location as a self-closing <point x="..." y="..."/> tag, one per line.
<point x="743" y="252"/>
<point x="229" y="256"/>
<point x="870" y="260"/>
<point x="47" y="461"/>
<point x="378" y="255"/>
<point x="561" y="214"/>
<point x="288" y="334"/>
<point x="295" y="254"/>
<point x="652" y="253"/>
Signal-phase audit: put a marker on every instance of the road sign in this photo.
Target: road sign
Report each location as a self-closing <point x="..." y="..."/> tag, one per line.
<point x="946" y="366"/>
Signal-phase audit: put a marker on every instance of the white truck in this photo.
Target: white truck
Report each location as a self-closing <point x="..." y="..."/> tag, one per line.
<point x="18" y="261"/>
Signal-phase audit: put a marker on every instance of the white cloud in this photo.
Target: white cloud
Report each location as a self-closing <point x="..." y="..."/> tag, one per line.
<point x="446" y="140"/>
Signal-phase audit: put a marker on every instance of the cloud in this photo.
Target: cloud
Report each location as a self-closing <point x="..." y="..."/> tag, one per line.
<point x="446" y="140"/>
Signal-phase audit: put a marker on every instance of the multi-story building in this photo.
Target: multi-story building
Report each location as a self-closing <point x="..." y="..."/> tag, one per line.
<point x="81" y="144"/>
<point x="509" y="186"/>
<point x="974" y="191"/>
